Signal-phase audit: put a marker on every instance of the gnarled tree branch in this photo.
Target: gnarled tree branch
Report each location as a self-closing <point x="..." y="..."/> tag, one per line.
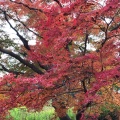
<point x="27" y="6"/>
<point x="10" y="71"/>
<point x="25" y="42"/>
<point x="58" y="2"/>
<point x="25" y="62"/>
<point x="27" y="27"/>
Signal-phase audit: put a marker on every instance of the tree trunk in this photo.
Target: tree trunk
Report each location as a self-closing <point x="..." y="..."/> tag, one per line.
<point x="65" y="117"/>
<point x="79" y="115"/>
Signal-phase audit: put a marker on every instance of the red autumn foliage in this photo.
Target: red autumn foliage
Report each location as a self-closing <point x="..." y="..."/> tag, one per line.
<point x="65" y="69"/>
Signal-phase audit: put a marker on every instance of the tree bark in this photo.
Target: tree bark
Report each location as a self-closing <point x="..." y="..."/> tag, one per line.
<point x="65" y="117"/>
<point x="25" y="62"/>
<point x="79" y="115"/>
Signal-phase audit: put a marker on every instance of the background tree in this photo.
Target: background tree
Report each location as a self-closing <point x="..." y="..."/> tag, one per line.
<point x="75" y="56"/>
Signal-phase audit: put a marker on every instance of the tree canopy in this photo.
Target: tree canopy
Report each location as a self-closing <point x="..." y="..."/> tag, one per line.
<point x="75" y="60"/>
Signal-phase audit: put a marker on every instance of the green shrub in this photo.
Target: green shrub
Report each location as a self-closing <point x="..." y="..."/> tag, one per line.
<point x="46" y="114"/>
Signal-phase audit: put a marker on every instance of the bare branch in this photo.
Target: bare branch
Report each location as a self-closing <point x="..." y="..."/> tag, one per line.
<point x="28" y="28"/>
<point x="25" y="42"/>
<point x="57" y="1"/>
<point x="10" y="71"/>
<point x="86" y="39"/>
<point x="25" y="62"/>
<point x="115" y="27"/>
<point x="25" y="5"/>
<point x="84" y="86"/>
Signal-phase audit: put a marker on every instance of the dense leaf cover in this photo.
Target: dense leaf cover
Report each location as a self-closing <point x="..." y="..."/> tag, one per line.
<point x="75" y="59"/>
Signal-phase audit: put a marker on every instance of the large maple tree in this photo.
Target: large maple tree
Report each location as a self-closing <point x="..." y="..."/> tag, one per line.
<point x="75" y="58"/>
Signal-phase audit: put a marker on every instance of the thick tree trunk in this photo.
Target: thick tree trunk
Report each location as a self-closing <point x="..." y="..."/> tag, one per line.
<point x="79" y="115"/>
<point x="65" y="118"/>
<point x="80" y="112"/>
